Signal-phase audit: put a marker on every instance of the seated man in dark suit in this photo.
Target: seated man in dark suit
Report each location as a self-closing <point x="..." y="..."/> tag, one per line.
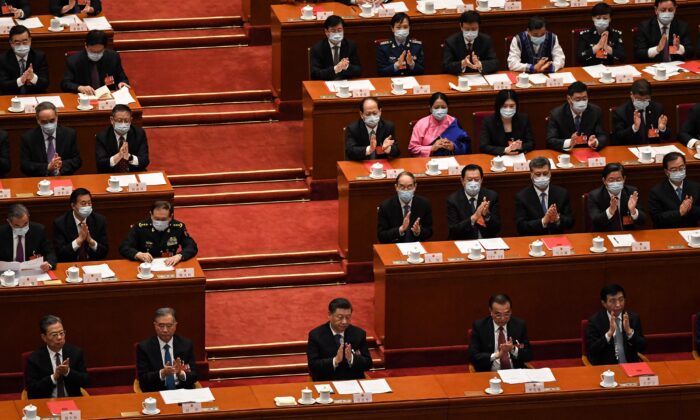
<point x="690" y="131"/>
<point x="405" y="217"/>
<point x="5" y="162"/>
<point x="23" y="240"/>
<point x="499" y="341"/>
<point x="640" y="120"/>
<point x="610" y="343"/>
<point x="80" y="234"/>
<point x="19" y="9"/>
<point x="57" y="369"/>
<point x="165" y="361"/>
<point x="400" y="55"/>
<point x="576" y="123"/>
<point x="23" y="70"/>
<point x="337" y="350"/>
<point x="663" y="38"/>
<point x="121" y="147"/>
<point x="67" y="7"/>
<point x="469" y="50"/>
<point x="675" y="202"/>
<point x="50" y="149"/>
<point x="473" y="212"/>
<point x="613" y="206"/>
<point x="94" y="67"/>
<point x="370" y="137"/>
<point x="541" y="208"/>
<point x="335" y="57"/>
<point x="600" y="44"/>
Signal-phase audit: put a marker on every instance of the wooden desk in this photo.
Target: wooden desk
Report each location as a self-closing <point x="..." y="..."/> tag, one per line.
<point x="56" y="45"/>
<point x="104" y="319"/>
<point x="360" y="197"/>
<point x="433" y="305"/>
<point x="291" y="36"/>
<point x="121" y="209"/>
<point x="326" y="115"/>
<point x="85" y="123"/>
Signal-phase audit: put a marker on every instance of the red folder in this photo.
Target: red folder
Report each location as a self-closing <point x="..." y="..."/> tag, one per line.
<point x="318" y="9"/>
<point x="513" y="78"/>
<point x="637" y="369"/>
<point x="583" y="154"/>
<point x="57" y="406"/>
<point x="551" y="241"/>
<point x="368" y="164"/>
<point x="52" y="274"/>
<point x="61" y="183"/>
<point x="693" y="66"/>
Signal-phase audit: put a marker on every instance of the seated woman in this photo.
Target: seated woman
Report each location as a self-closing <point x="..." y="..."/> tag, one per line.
<point x="439" y="134"/>
<point x="506" y="131"/>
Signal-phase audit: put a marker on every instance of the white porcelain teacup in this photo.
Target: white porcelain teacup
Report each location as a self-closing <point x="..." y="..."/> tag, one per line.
<point x="482" y="4"/>
<point x="149" y="405"/>
<point x="306" y="395"/>
<point x="307" y="11"/>
<point x="661" y="73"/>
<point x="608" y="378"/>
<point x="697" y="148"/>
<point x="598" y="243"/>
<point x="463" y="82"/>
<point x="367" y="9"/>
<point x="536" y="247"/>
<point x="564" y="159"/>
<point x="429" y="6"/>
<point x="497" y="163"/>
<point x="414" y="255"/>
<point x="73" y="273"/>
<point x="433" y="166"/>
<point x="44" y="186"/>
<point x="113" y="183"/>
<point x="475" y="251"/>
<point x="343" y="89"/>
<point x="646" y="153"/>
<point x="29" y="412"/>
<point x="325" y="396"/>
<point x="15" y="104"/>
<point x="144" y="269"/>
<point x="607" y="75"/>
<point x="377" y="169"/>
<point x="55" y="24"/>
<point x="523" y="80"/>
<point x="84" y="102"/>
<point x="8" y="278"/>
<point x="397" y="87"/>
<point x="495" y="385"/>
<point x="695" y="239"/>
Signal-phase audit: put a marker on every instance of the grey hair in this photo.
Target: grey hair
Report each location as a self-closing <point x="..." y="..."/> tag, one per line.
<point x="164" y="312"/>
<point x="47" y="321"/>
<point x="16" y="211"/>
<point x="44" y="106"/>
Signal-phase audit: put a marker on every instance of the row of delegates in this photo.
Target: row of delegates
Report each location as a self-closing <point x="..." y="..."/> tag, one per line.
<point x="58" y="369"/>
<point x="69" y="7"/>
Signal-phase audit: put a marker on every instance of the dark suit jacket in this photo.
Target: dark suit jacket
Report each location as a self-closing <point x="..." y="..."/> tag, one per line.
<point x="561" y="126"/>
<point x="649" y="35"/>
<point x="106" y="147"/>
<point x="357" y="140"/>
<point x="664" y="204"/>
<point x="623" y="118"/>
<point x="322" y="61"/>
<point x="65" y="231"/>
<point x="529" y="214"/>
<point x="39" y="369"/>
<point x="21" y="4"/>
<point x="33" y="152"/>
<point x="590" y="37"/>
<point x="599" y="201"/>
<point x="482" y="344"/>
<point x="35" y="243"/>
<point x="5" y="163"/>
<point x="691" y="126"/>
<point x="79" y="67"/>
<point x="55" y="6"/>
<point x="459" y="213"/>
<point x="321" y="350"/>
<point x="9" y="72"/>
<point x="390" y="218"/>
<point x="149" y="362"/>
<point x="455" y="49"/>
<point x="493" y="136"/>
<point x="602" y="352"/>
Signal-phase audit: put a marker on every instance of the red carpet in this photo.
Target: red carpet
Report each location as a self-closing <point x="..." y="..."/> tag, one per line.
<point x="138" y="9"/>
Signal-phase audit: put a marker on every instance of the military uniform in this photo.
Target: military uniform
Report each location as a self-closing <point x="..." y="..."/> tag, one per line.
<point x="590" y="37"/>
<point x="389" y="51"/>
<point x="143" y="237"/>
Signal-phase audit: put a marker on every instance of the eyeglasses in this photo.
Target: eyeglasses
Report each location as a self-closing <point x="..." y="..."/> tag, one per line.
<point x="165" y="326"/>
<point x="502" y="315"/>
<point x="57" y="334"/>
<point x="680" y="168"/>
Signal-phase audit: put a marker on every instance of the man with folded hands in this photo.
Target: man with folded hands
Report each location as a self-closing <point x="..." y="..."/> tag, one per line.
<point x="405" y="217"/>
<point x="614" y="205"/>
<point x="473" y="211"/>
<point x="370" y="137"/>
<point x="576" y="123"/>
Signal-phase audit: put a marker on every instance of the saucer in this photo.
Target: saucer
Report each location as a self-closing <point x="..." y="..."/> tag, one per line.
<point x="145" y="277"/>
<point x="479" y="258"/>
<point x="483" y="9"/>
<point x="302" y="17"/>
<point x="382" y="176"/>
<point x="562" y="166"/>
<point x="114" y="191"/>
<point x="491" y="392"/>
<point x="366" y="16"/>
<point x="15" y="110"/>
<point x="300" y="401"/>
<point x="598" y="251"/>
<point x="517" y="85"/>
<point x="459" y="89"/>
<point x="432" y="173"/>
<point x="565" y="4"/>
<point x="614" y="385"/>
<point x="150" y="413"/>
<point x="646" y="161"/>
<point x="55" y="30"/>
<point x="532" y="254"/>
<point x="78" y="280"/>
<point x="398" y="92"/>
<point x="15" y="284"/>
<point x="330" y="400"/>
<point x="41" y="194"/>
<point x="503" y="169"/>
<point x="620" y="1"/>
<point x="425" y="12"/>
<point x="84" y="108"/>
<point x="420" y="260"/>
<point x="606" y="82"/>
<point x="696" y="156"/>
<point x="693" y="246"/>
<point x="340" y="95"/>
<point x="661" y="80"/>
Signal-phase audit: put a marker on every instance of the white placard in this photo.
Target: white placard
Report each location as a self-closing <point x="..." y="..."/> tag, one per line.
<point x="362" y="397"/>
<point x="78" y="27"/>
<point x="624" y="78"/>
<point x="434" y="257"/>
<point x="70" y="415"/>
<point x="596" y="162"/>
<point x="461" y="8"/>
<point x="649" y="380"/>
<point x="137" y="187"/>
<point x="393" y="173"/>
<point x="579" y="3"/>
<point x="27" y="281"/>
<point x="184" y="273"/>
<point x="531" y="387"/>
<point x="29" y="108"/>
<point x="191" y="407"/>
<point x="106" y="105"/>
<point x="659" y="158"/>
<point x="454" y="170"/>
<point x="360" y="93"/>
<point x="561" y="251"/>
<point x="554" y="81"/>
<point x="521" y="166"/>
<point x="4" y="29"/>
<point x="502" y="85"/>
<point x="641" y="246"/>
<point x="421" y="89"/>
<point x="495" y="254"/>
<point x="324" y="15"/>
<point x="383" y="12"/>
<point x="513" y="5"/>
<point x="5" y="193"/>
<point x="62" y="191"/>
<point x="92" y="277"/>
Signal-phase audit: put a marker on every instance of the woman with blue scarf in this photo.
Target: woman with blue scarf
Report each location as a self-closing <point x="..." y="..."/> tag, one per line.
<point x="439" y="134"/>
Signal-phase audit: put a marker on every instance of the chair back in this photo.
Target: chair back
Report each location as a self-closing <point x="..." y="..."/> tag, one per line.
<point x="587" y="222"/>
<point x="469" y="343"/>
<point x="478" y="118"/>
<point x="584" y="343"/>
<point x="682" y="111"/>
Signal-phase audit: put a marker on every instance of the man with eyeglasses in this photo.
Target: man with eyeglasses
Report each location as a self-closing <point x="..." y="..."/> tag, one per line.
<point x="405" y="217"/>
<point x="23" y="69"/>
<point x="675" y="202"/>
<point x="499" y="341"/>
<point x="165" y="361"/>
<point x="57" y="369"/>
<point x="337" y="350"/>
<point x="121" y="147"/>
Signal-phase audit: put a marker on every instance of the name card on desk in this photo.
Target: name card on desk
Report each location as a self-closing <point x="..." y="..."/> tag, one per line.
<point x="383" y="12"/>
<point x="323" y="15"/>
<point x="137" y="187"/>
<point x="5" y="29"/>
<point x="520" y="167"/>
<point x="78" y="27"/>
<point x="461" y="8"/>
<point x="553" y="81"/>
<point x="532" y="387"/>
<point x="5" y="193"/>
<point x="650" y="380"/>
<point x="106" y="104"/>
<point x="578" y="3"/>
<point x="70" y="415"/>
<point x="360" y="93"/>
<point x="184" y="273"/>
<point x="495" y="254"/>
<point x="562" y="251"/>
<point x="501" y="85"/>
<point x="643" y="1"/>
<point x="27" y="281"/>
<point x="454" y="170"/>
<point x="659" y="158"/>
<point x="393" y="173"/>
<point x="92" y="277"/>
<point x="362" y="397"/>
<point x="435" y="257"/>
<point x="421" y="89"/>
<point x="29" y="108"/>
<point x="62" y="191"/>
<point x="191" y="407"/>
<point x="641" y="246"/>
<point x="513" y="5"/>
<point x="624" y="78"/>
<point x="596" y="162"/>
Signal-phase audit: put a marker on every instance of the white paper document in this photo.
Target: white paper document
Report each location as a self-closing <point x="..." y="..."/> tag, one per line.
<point x="376" y="386"/>
<point x="323" y="387"/>
<point x="444" y="163"/>
<point x="655" y="150"/>
<point x="491" y="244"/>
<point x="100" y="23"/>
<point x="686" y="233"/>
<point x="497" y="3"/>
<point x="492" y="79"/>
<point x="538" y="78"/>
<point x="31" y="23"/>
<point x="101" y="93"/>
<point x="352" y="84"/>
<point x="475" y="79"/>
<point x="22" y="268"/>
<point x="102" y="269"/>
<point x="123" y="96"/>
<point x="152" y="178"/>
<point x="182" y="395"/>
<point x="408" y="82"/>
<point x="597" y="70"/>
<point x="521" y="376"/>
<point x="619" y="241"/>
<point x="158" y="264"/>
<point x="509" y="160"/>
<point x="465" y="247"/>
<point x="56" y="100"/>
<point x="125" y="180"/>
<point x="28" y="100"/>
<point x="7" y="21"/>
<point x="566" y="76"/>
<point x="405" y="247"/>
<point x="397" y="7"/>
<point x="68" y="19"/>
<point x="347" y="387"/>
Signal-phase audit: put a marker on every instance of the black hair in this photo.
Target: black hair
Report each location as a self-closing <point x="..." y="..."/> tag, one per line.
<point x="333" y="20"/>
<point x="536" y="22"/>
<point x="576" y="87"/>
<point x="472" y="167"/>
<point x="339" y="303"/>
<point x="96" y="37"/>
<point x="502" y="96"/>
<point x="670" y="157"/>
<point x="601" y="9"/>
<point x="611" y="290"/>
<point x="470" y="16"/>
<point x="77" y="193"/>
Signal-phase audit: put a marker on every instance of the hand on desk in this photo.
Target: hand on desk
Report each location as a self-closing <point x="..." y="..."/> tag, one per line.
<point x="173" y="260"/>
<point x="86" y="90"/>
<point x="143" y="257"/>
<point x="122" y="84"/>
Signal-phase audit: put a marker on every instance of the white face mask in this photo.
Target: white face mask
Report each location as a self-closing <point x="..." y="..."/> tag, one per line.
<point x="470" y="36"/>
<point x="666" y="17"/>
<point x="336" y="37"/>
<point x="541" y="182"/>
<point x="507" y="112"/>
<point x="85" y="211"/>
<point x="401" y="35"/>
<point x="21" y="50"/>
<point x="160" y="225"/>
<point x="472" y="188"/>
<point x="601" y="24"/>
<point x="122" y="128"/>
<point x="20" y="231"/>
<point x="95" y="56"/>
<point x="49" y="128"/>
<point x="580" y="106"/>
<point x="615" y="187"/>
<point x="371" y="121"/>
<point x="439" y="113"/>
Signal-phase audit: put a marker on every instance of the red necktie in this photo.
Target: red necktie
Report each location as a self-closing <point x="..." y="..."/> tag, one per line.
<point x="505" y="358"/>
<point x="122" y="165"/>
<point x="19" y="254"/>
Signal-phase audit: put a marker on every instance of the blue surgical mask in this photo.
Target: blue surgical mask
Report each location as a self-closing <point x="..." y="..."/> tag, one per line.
<point x="580" y="106"/>
<point x="439" y="113"/>
<point x="95" y="56"/>
<point x="160" y="225"/>
<point x="615" y="187"/>
<point x="371" y="121"/>
<point x="85" y="211"/>
<point x="640" y="105"/>
<point x="336" y="37"/>
<point x="49" y="128"/>
<point x="122" y="127"/>
<point x="21" y="50"/>
<point x="470" y="36"/>
<point x="472" y="188"/>
<point x="665" y="18"/>
<point x="541" y="182"/>
<point x="406" y="196"/>
<point x="677" y="176"/>
<point x="507" y="112"/>
<point x="20" y="231"/>
<point x="537" y="40"/>
<point x="401" y="35"/>
<point x="601" y="24"/>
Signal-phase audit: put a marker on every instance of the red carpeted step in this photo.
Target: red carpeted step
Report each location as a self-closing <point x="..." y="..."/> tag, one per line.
<point x="209" y="114"/>
<point x="236" y="193"/>
<point x="185" y="38"/>
<point x="263" y="95"/>
<point x="139" y="9"/>
<point x="207" y="149"/>
<point x="275" y="276"/>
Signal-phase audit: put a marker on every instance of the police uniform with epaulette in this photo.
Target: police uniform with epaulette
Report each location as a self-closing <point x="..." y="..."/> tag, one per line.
<point x="389" y="51"/>
<point x="590" y="37"/>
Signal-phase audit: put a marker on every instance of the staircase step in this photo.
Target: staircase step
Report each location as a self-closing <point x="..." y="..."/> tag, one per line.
<point x="175" y="23"/>
<point x="249" y="192"/>
<point x="264" y="349"/>
<point x="284" y="258"/>
<point x="209" y="114"/>
<point x="188" y="38"/>
<point x="236" y="176"/>
<point x="263" y="95"/>
<point x="275" y="276"/>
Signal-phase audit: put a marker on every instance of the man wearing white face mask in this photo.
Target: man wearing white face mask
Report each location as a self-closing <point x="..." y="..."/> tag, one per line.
<point x="405" y="217"/>
<point x="370" y="137"/>
<point x="577" y="123"/>
<point x="640" y="120"/>
<point x="613" y="206"/>
<point x="542" y="209"/>
<point x="23" y="69"/>
<point x="663" y="38"/>
<point x="400" y="55"/>
<point x="159" y="236"/>
<point x="675" y="202"/>
<point x="469" y="50"/>
<point x="335" y="57"/>
<point x="94" y="67"/>
<point x="473" y="211"/>
<point x="80" y="234"/>
<point x="22" y="240"/>
<point x="601" y="44"/>
<point x="536" y="50"/>
<point x="121" y="147"/>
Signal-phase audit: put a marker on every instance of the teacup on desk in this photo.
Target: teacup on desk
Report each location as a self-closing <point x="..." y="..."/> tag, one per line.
<point x="463" y="82"/>
<point x="397" y="87"/>
<point x="29" y="412"/>
<point x="495" y="385"/>
<point x="73" y="274"/>
<point x="523" y="80"/>
<point x="16" y="104"/>
<point x="306" y="396"/>
<point x="606" y="76"/>
<point x="55" y="24"/>
<point x="564" y="160"/>
<point x="475" y="252"/>
<point x="149" y="405"/>
<point x="84" y="102"/>
<point x="377" y="170"/>
<point x="482" y="5"/>
<point x="695" y="239"/>
<point x="598" y="244"/>
<point x="660" y="73"/>
<point x="367" y="9"/>
<point x="497" y="163"/>
<point x="645" y="154"/>
<point x="432" y="166"/>
<point x="307" y="12"/>
<point x="536" y="247"/>
<point x="325" y="396"/>
<point x="8" y="278"/>
<point x="44" y="186"/>
<point x="414" y="255"/>
<point x="607" y="378"/>
<point x="113" y="183"/>
<point x="430" y="6"/>
<point x="343" y="89"/>
<point x="144" y="269"/>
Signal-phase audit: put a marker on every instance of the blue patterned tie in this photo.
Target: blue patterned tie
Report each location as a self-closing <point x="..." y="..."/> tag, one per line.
<point x="543" y="202"/>
<point x="679" y="193"/>
<point x="170" y="379"/>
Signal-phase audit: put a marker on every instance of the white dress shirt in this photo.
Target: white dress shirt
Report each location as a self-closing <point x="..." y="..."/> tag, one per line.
<point x="611" y="319"/>
<point x="74" y="244"/>
<point x="514" y="56"/>
<point x="651" y="52"/>
<point x="35" y="78"/>
<point x="342" y="335"/>
<point x="495" y="361"/>
<point x="52" y="357"/>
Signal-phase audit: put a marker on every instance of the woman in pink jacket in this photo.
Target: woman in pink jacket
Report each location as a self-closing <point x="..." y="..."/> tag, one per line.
<point x="439" y="134"/>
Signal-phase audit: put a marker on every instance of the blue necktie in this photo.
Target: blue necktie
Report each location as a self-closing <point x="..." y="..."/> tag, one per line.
<point x="170" y="379"/>
<point x="543" y="202"/>
<point x="679" y="192"/>
<point x="577" y="123"/>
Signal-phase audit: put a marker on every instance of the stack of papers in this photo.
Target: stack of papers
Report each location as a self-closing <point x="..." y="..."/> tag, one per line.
<point x="397" y="7"/>
<point x="28" y="100"/>
<point x="353" y="84"/>
<point x="100" y="23"/>
<point x="509" y="160"/>
<point x="31" y="268"/>
<point x="102" y="269"/>
<point x="655" y="150"/>
<point x="68" y="19"/>
<point x="405" y="247"/>
<point x="408" y="82"/>
<point x="475" y="79"/>
<point x="684" y="233"/>
<point x="31" y="23"/>
<point x="152" y="178"/>
<point x="7" y="21"/>
<point x="444" y="163"/>
<point x="123" y="96"/>
<point x="158" y="264"/>
<point x="101" y="93"/>
<point x="620" y="241"/>
<point x="597" y="70"/>
<point x="672" y="68"/>
<point x="538" y="78"/>
<point x="56" y="100"/>
<point x="521" y="376"/>
<point x="125" y="180"/>
<point x="465" y="247"/>
<point x="492" y="79"/>
<point x="178" y="396"/>
<point x="490" y="244"/>
<point x="375" y="386"/>
<point x="566" y="76"/>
